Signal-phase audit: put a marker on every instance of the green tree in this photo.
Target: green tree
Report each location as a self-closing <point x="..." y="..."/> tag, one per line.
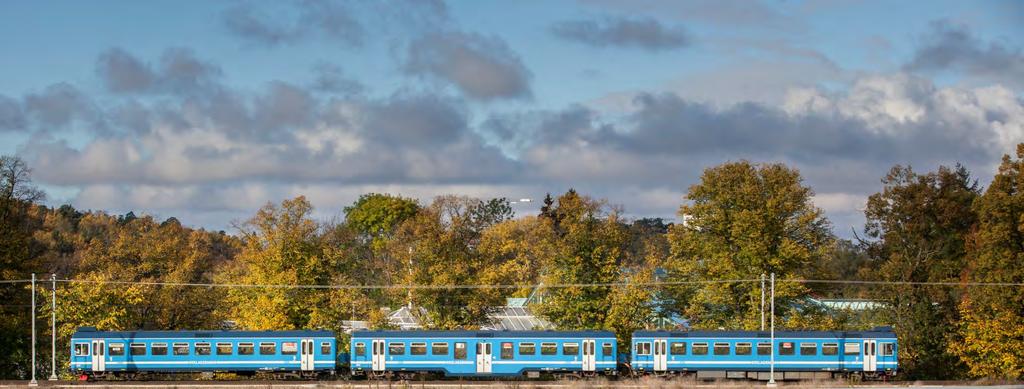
<point x="917" y="225"/>
<point x="993" y="316"/>
<point x="740" y="221"/>
<point x="591" y="242"/>
<point x="377" y="215"/>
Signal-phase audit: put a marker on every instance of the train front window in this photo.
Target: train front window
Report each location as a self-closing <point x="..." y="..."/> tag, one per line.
<point x="181" y="349"/>
<point x="81" y="349"/>
<point x="786" y="348"/>
<point x="360" y="349"/>
<point x="808" y="349"/>
<point x="116" y="349"/>
<point x="721" y="348"/>
<point x="764" y="348"/>
<point x="699" y="349"/>
<point x="158" y="348"/>
<point x="137" y="349"/>
<point x="743" y="348"/>
<point x="829" y="348"/>
<point x="202" y="348"/>
<point x="888" y="349"/>
<point x="851" y="348"/>
<point x="223" y="348"/>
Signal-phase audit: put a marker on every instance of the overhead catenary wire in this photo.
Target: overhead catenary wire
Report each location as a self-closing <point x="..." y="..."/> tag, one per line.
<point x="520" y="286"/>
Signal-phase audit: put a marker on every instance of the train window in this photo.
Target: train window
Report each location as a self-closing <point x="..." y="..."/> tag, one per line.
<point x="721" y="348"/>
<point x="81" y="349"/>
<point x="417" y="348"/>
<point x="202" y="348"/>
<point x="325" y="348"/>
<point x="396" y="348"/>
<point x="786" y="348"/>
<point x="743" y="348"/>
<point x="527" y="349"/>
<point x="548" y="348"/>
<point x="158" y="349"/>
<point x="116" y="349"/>
<point x="764" y="348"/>
<point x="851" y="349"/>
<point x="808" y="349"/>
<point x="606" y="350"/>
<point x="268" y="348"/>
<point x="223" y="348"/>
<point x="678" y="348"/>
<point x="137" y="349"/>
<point x="360" y="349"/>
<point x="460" y="350"/>
<point x="506" y="350"/>
<point x="699" y="349"/>
<point x="570" y="348"/>
<point x="246" y="348"/>
<point x="439" y="348"/>
<point x="643" y="348"/>
<point x="888" y="349"/>
<point x="289" y="348"/>
<point x="181" y="349"/>
<point x="829" y="348"/>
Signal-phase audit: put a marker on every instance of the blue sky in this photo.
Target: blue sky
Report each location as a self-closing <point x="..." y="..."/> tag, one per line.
<point x="207" y="110"/>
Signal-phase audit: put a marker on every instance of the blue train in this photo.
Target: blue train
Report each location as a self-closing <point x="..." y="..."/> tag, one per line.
<point x="530" y="354"/>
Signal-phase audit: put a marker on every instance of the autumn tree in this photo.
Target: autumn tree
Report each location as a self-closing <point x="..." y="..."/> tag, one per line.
<point x="284" y="246"/>
<point x="376" y="216"/>
<point x="741" y="220"/>
<point x="591" y="242"/>
<point x="992" y="330"/>
<point x="916" y="228"/>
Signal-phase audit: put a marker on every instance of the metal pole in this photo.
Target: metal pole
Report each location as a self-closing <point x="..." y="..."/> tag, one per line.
<point x="771" y="377"/>
<point x="33" y="318"/>
<point x="53" y="328"/>
<point x="762" y="301"/>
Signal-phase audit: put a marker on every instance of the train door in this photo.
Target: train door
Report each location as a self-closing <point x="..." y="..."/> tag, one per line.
<point x="660" y="355"/>
<point x="589" y="356"/>
<point x="99" y="349"/>
<point x="483" y="358"/>
<point x="377" y="355"/>
<point x="306" y="354"/>
<point x="870" y="356"/>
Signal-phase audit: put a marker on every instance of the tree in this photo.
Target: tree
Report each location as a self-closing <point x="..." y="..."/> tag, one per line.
<point x="993" y="316"/>
<point x="917" y="225"/>
<point x="743" y="220"/>
<point x="376" y="216"/>
<point x="591" y="243"/>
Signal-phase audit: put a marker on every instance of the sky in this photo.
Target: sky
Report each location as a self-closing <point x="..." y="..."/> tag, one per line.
<point x="206" y="111"/>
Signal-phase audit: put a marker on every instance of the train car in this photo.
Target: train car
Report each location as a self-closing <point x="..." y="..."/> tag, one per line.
<point x="747" y="354"/>
<point x="407" y="354"/>
<point x="137" y="353"/>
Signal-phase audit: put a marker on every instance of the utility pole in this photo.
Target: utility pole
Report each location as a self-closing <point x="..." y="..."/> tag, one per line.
<point x="771" y="377"/>
<point x="53" y="328"/>
<point x="33" y="318"/>
<point x="762" y="301"/>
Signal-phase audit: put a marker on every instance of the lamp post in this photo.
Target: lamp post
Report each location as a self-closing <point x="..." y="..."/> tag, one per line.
<point x="53" y="328"/>
<point x="762" y="301"/>
<point x="33" y="382"/>
<point x="771" y="377"/>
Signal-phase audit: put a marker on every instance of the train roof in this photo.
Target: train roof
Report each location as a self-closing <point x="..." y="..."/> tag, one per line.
<point x="91" y="332"/>
<point x="480" y="334"/>
<point x="877" y="332"/>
